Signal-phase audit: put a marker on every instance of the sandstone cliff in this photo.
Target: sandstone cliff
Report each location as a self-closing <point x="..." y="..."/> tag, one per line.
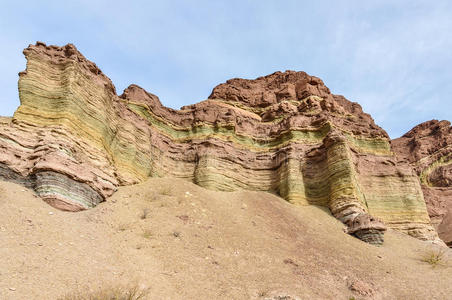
<point x="428" y="149"/>
<point x="74" y="141"/>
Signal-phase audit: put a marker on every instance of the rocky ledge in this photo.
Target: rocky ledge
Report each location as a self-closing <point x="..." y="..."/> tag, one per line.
<point x="74" y="141"/>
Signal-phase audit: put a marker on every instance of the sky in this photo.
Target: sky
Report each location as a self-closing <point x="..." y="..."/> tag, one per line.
<point x="392" y="57"/>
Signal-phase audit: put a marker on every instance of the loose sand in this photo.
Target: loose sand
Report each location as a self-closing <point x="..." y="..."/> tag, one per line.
<point x="181" y="241"/>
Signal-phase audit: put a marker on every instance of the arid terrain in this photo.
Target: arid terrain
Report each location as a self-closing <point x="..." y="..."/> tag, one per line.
<point x="180" y="241"/>
<point x="74" y="140"/>
<point x="271" y="188"/>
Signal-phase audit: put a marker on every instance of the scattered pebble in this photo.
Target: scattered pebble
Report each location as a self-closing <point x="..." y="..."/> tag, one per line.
<point x="184" y="218"/>
<point x="12" y="289"/>
<point x="50" y="212"/>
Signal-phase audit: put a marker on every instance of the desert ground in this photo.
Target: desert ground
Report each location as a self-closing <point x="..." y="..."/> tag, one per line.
<point x="176" y="240"/>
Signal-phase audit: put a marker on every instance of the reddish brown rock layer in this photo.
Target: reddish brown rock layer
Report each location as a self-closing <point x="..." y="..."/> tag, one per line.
<point x="290" y="95"/>
<point x="428" y="149"/>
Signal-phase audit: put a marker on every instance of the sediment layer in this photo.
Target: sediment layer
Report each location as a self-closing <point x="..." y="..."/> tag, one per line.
<point x="74" y="140"/>
<point x="427" y="148"/>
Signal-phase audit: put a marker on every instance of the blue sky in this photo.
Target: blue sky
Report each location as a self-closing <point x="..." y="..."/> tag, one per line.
<point x="393" y="57"/>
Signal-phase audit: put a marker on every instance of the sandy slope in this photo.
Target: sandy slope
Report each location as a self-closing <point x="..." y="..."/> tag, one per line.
<point x="202" y="245"/>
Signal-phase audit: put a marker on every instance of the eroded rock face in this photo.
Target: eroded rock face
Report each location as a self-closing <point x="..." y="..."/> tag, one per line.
<point x="74" y="141"/>
<point x="428" y="149"/>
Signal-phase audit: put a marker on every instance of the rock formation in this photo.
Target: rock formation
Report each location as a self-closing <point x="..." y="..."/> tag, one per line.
<point x="73" y="140"/>
<point x="428" y="149"/>
<point x="367" y="228"/>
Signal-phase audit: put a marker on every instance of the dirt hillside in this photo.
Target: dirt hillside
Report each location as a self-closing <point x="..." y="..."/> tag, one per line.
<point x="180" y="241"/>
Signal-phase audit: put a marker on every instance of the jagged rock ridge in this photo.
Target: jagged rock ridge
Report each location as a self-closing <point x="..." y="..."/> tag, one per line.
<point x="75" y="141"/>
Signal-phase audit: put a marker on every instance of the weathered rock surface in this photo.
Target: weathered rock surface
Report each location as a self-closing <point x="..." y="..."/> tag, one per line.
<point x="428" y="149"/>
<point x="75" y="141"/>
<point x="367" y="228"/>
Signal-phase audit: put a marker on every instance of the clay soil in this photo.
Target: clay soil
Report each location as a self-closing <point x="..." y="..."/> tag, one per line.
<point x="179" y="241"/>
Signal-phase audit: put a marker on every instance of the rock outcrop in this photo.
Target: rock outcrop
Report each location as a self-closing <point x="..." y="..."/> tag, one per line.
<point x="367" y="228"/>
<point x="74" y="141"/>
<point x="428" y="149"/>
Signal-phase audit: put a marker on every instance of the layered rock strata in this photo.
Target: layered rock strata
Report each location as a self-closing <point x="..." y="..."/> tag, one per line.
<point x="74" y="141"/>
<point x="428" y="149"/>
